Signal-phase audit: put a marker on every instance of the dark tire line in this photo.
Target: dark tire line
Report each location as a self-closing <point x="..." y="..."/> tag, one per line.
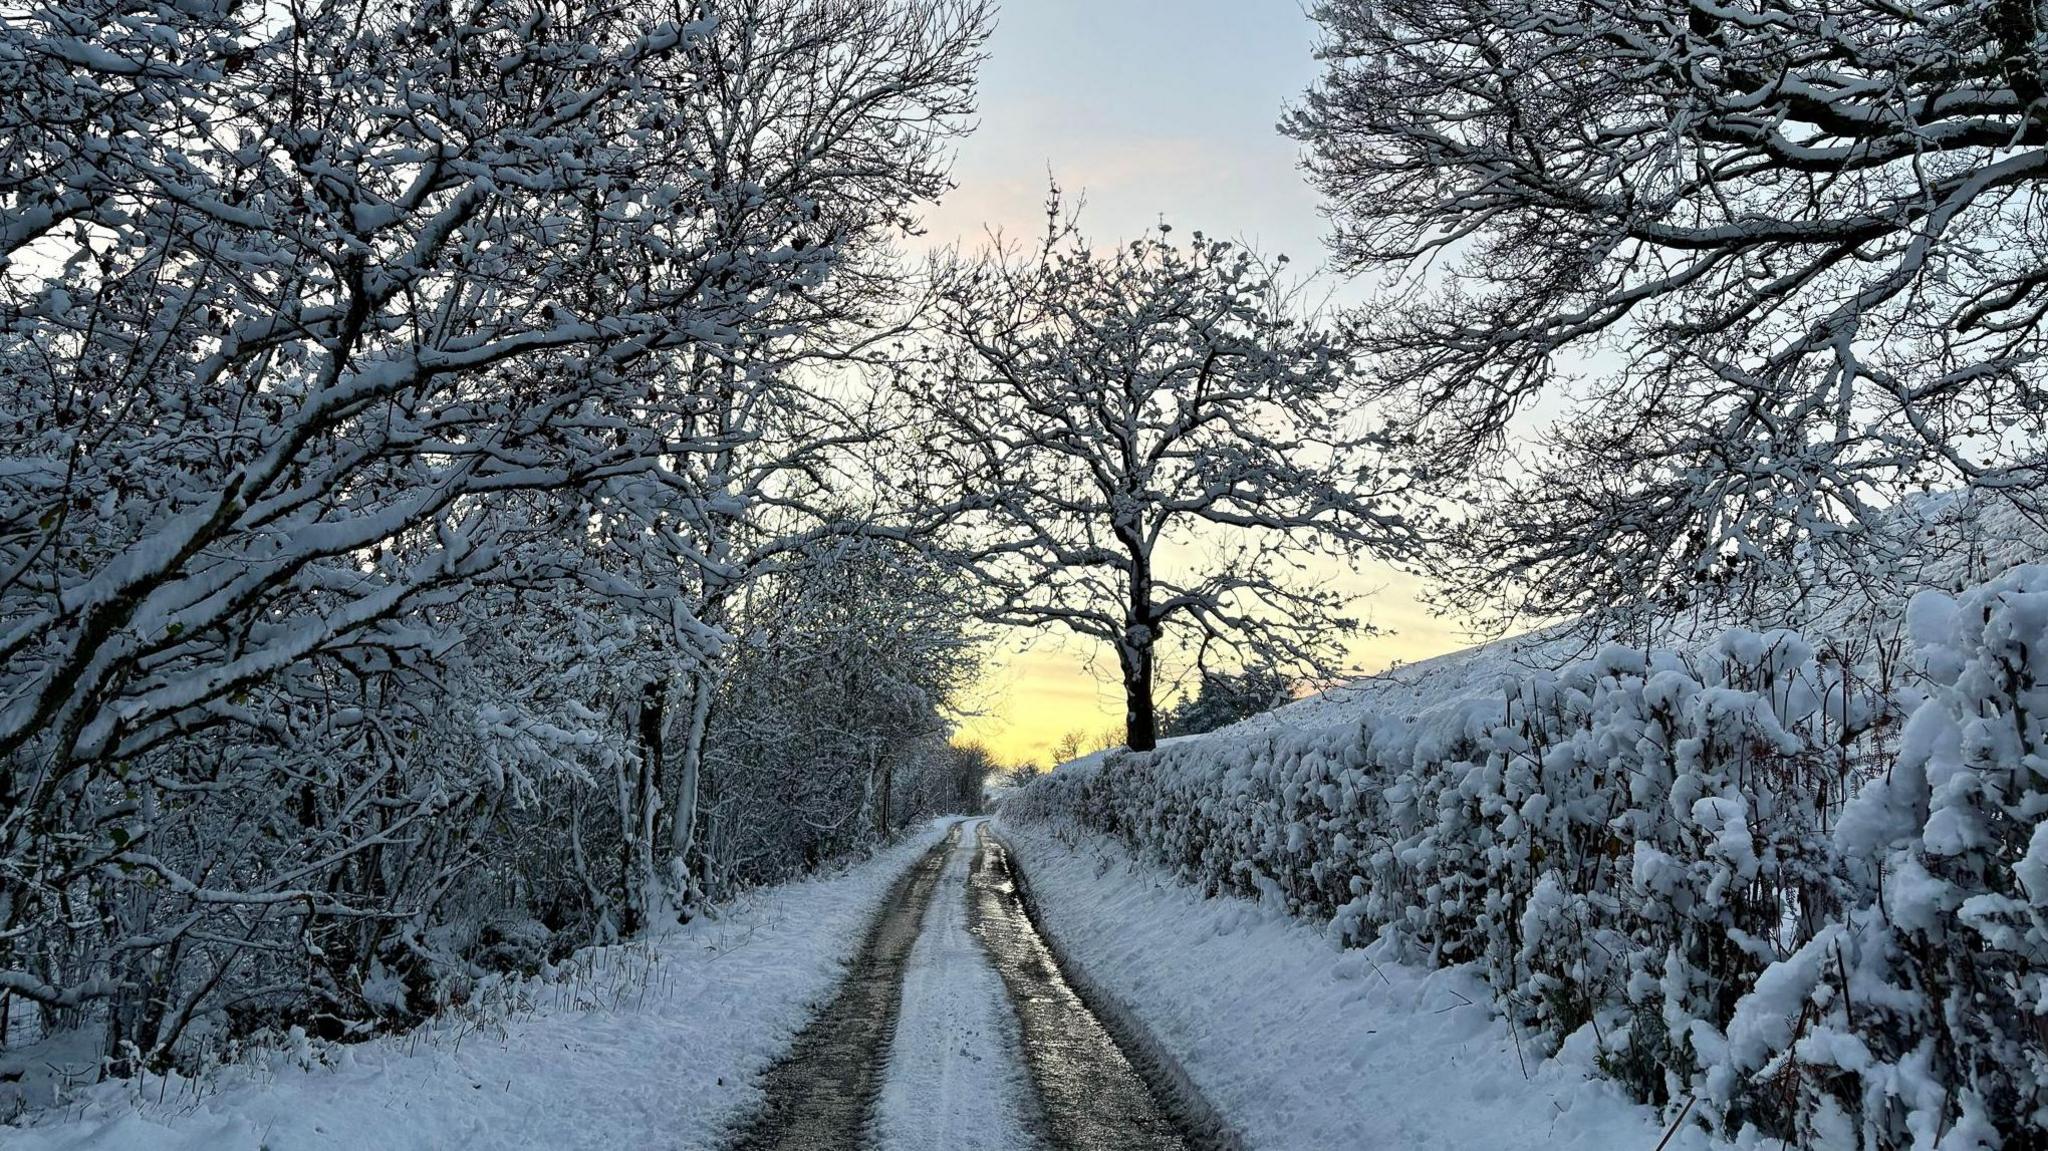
<point x="821" y="1095"/>
<point x="1103" y="1081"/>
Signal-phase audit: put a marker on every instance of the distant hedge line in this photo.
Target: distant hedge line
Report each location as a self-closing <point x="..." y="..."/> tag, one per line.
<point x="1794" y="884"/>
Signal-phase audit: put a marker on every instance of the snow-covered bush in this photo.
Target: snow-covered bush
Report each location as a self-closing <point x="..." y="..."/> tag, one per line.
<point x="1779" y="889"/>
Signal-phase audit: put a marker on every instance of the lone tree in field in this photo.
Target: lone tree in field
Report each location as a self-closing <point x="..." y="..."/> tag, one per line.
<point x="1804" y="240"/>
<point x="1165" y="442"/>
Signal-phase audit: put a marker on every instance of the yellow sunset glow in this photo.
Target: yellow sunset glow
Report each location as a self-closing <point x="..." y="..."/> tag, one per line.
<point x="1041" y="686"/>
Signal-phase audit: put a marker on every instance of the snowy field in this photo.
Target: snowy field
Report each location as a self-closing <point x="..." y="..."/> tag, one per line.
<point x="653" y="1049"/>
<point x="1303" y="1045"/>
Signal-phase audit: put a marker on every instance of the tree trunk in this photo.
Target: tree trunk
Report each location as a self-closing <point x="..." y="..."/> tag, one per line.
<point x="1141" y="723"/>
<point x="888" y="784"/>
<point x="705" y="680"/>
<point x="1134" y="656"/>
<point x="1134" y="651"/>
<point x="642" y="803"/>
<point x="688" y="889"/>
<point x="653" y="709"/>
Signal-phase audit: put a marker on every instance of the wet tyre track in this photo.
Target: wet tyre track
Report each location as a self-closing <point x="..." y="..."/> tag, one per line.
<point x="820" y="1096"/>
<point x="1096" y="1087"/>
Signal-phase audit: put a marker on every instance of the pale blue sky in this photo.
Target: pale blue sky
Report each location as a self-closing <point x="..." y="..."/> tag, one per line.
<point x="1150" y="108"/>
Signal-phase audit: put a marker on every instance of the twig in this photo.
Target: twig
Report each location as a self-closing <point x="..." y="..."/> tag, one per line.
<point x="1517" y="1033"/>
<point x="1673" y="1129"/>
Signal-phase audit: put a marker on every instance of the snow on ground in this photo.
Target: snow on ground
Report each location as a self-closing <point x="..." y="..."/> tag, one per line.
<point x="956" y="1080"/>
<point x="634" y="1054"/>
<point x="1942" y="542"/>
<point x="1299" y="1043"/>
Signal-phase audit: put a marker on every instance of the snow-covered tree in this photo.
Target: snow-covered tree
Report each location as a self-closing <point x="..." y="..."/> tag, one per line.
<point x="1164" y="441"/>
<point x="830" y="720"/>
<point x="874" y="92"/>
<point x="356" y="369"/>
<point x="1792" y="251"/>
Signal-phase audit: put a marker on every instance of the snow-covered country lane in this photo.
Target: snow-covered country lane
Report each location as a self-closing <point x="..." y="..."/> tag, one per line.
<point x="969" y="1038"/>
<point x="656" y="1046"/>
<point x="956" y="1079"/>
<point x="903" y="1004"/>
<point x="964" y="991"/>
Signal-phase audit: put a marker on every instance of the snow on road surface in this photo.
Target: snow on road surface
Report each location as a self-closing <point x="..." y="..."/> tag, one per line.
<point x="1300" y="1044"/>
<point x="991" y="1048"/>
<point x="956" y="1081"/>
<point x="616" y="1061"/>
<point x="821" y="1095"/>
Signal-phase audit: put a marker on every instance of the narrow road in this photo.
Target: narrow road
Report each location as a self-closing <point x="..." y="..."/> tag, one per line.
<point x="956" y="1029"/>
<point x="1092" y="1094"/>
<point x="957" y="1079"/>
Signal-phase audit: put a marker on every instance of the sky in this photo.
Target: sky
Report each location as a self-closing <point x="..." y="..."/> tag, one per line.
<point x="1146" y="111"/>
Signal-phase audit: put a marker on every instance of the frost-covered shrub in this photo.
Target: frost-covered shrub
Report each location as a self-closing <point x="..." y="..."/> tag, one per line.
<point x="1923" y="1012"/>
<point x="1781" y="889"/>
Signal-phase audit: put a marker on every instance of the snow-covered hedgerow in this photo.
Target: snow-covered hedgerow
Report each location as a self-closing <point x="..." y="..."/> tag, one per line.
<point x="1786" y="886"/>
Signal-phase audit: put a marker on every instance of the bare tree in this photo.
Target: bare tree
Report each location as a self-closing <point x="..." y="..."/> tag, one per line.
<point x="848" y="109"/>
<point x="832" y="708"/>
<point x="1223" y="698"/>
<point x="1165" y="443"/>
<point x="1795" y="248"/>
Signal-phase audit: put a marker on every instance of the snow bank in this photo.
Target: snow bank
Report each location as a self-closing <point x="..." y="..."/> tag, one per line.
<point x="638" y="1047"/>
<point x="1788" y="883"/>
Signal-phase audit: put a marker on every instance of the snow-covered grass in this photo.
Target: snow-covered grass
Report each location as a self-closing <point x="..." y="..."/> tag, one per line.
<point x="648" y="1045"/>
<point x="1300" y="1043"/>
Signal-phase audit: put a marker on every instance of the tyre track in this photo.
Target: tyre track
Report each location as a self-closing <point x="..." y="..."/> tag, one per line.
<point x="1098" y="1081"/>
<point x="1102" y="1082"/>
<point x="820" y="1096"/>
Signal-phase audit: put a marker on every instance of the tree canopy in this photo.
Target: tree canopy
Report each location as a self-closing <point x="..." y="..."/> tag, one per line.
<point x="1163" y="441"/>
